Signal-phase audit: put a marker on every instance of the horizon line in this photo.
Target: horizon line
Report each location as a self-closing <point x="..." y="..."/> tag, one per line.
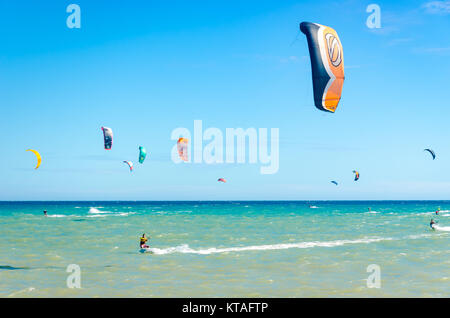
<point x="281" y="200"/>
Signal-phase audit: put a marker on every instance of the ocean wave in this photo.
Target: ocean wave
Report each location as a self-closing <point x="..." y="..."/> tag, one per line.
<point x="418" y="236"/>
<point x="434" y="212"/>
<point x="105" y="214"/>
<point x="97" y="211"/>
<point x="56" y="216"/>
<point x="213" y="250"/>
<point x="124" y="213"/>
<point x="184" y="248"/>
<point x="442" y="228"/>
<point x="26" y="290"/>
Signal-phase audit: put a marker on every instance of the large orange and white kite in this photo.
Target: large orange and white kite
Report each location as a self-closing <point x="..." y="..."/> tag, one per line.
<point x="327" y="64"/>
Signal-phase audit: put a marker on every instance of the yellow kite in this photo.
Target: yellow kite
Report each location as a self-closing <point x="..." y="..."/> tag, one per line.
<point x="38" y="156"/>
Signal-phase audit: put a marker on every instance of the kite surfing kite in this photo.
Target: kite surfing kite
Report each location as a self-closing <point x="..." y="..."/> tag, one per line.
<point x="182" y="146"/>
<point x="327" y="64"/>
<point x="142" y="154"/>
<point x="221" y="180"/>
<point x="356" y="175"/>
<point x="431" y="153"/>
<point x="38" y="156"/>
<point x="107" y="137"/>
<point x="130" y="164"/>
<point x="334" y="182"/>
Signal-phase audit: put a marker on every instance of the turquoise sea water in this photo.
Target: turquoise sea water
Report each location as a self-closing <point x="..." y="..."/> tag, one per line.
<point x="225" y="249"/>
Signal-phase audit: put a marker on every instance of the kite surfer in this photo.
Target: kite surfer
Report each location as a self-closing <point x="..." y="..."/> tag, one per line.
<point x="432" y="223"/>
<point x="143" y="240"/>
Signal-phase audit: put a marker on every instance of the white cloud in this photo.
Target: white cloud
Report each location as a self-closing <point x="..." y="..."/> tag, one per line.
<point x="433" y="50"/>
<point x="400" y="41"/>
<point x="437" y="7"/>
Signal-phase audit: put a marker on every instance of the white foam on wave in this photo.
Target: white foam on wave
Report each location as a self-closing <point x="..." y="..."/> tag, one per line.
<point x="213" y="250"/>
<point x="56" y="215"/>
<point x="96" y="211"/>
<point x="442" y="228"/>
<point x="440" y="212"/>
<point x="425" y="213"/>
<point x="26" y="290"/>
<point x="418" y="236"/>
<point x="124" y="213"/>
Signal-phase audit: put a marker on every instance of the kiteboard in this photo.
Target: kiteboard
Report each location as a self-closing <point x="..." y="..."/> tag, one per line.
<point x="145" y="250"/>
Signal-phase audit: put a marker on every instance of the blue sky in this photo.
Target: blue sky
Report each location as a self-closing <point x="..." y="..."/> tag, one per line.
<point x="148" y="68"/>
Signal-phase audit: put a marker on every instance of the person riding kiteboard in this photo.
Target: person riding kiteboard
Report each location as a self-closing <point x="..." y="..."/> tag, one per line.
<point x="432" y="223"/>
<point x="143" y="240"/>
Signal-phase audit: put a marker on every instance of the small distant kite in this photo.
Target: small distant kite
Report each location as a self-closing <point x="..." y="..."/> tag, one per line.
<point x="356" y="175"/>
<point x="221" y="180"/>
<point x="107" y="137"/>
<point x="182" y="146"/>
<point x="334" y="182"/>
<point x="431" y="153"/>
<point x="38" y="156"/>
<point x="130" y="164"/>
<point x="142" y="154"/>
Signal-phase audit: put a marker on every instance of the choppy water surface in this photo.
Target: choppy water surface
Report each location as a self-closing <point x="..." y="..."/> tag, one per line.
<point x="225" y="249"/>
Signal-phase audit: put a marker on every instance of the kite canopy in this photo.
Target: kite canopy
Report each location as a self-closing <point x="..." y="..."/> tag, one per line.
<point x="222" y="180"/>
<point x="356" y="175"/>
<point x="182" y="146"/>
<point x="142" y="154"/>
<point x="130" y="164"/>
<point x="107" y="137"/>
<point x="327" y="64"/>
<point x="38" y="156"/>
<point x="431" y="153"/>
<point x="334" y="182"/>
